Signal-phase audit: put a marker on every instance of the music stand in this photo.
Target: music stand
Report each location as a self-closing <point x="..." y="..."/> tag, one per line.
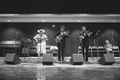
<point x="25" y="40"/>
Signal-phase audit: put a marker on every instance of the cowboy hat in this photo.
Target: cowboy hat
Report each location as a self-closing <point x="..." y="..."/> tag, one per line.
<point x="41" y="30"/>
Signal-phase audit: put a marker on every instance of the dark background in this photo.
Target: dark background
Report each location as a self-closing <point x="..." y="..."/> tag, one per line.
<point x="108" y="31"/>
<point x="60" y="6"/>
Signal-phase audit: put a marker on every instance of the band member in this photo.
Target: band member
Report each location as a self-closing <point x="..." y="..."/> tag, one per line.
<point x="108" y="47"/>
<point x="84" y="36"/>
<point x="60" y="38"/>
<point x="40" y="40"/>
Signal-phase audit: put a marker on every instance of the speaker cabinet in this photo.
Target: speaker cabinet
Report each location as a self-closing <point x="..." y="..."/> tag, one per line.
<point x="12" y="58"/>
<point x="47" y="59"/>
<point x="106" y="59"/>
<point x="77" y="59"/>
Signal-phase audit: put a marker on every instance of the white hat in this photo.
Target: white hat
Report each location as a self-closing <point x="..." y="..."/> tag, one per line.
<point x="41" y="30"/>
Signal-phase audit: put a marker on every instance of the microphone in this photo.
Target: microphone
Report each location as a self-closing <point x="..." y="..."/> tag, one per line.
<point x="97" y="32"/>
<point x="17" y="32"/>
<point x="16" y="35"/>
<point x="112" y="33"/>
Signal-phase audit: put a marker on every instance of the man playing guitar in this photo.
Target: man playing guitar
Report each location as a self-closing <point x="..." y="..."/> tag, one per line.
<point x="82" y="36"/>
<point x="84" y="40"/>
<point x="60" y="38"/>
<point x="40" y="41"/>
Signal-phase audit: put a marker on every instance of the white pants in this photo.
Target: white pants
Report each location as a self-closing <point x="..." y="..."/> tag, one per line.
<point x="41" y="48"/>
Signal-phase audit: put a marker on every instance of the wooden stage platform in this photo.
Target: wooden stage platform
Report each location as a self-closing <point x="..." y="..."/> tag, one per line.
<point x="91" y="60"/>
<point x="32" y="69"/>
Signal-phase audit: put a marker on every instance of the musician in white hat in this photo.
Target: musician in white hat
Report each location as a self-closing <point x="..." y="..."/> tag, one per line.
<point x="41" y="39"/>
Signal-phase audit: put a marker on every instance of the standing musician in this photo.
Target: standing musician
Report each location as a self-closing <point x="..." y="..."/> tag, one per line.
<point x="60" y="38"/>
<point x="84" y="40"/>
<point x="40" y="40"/>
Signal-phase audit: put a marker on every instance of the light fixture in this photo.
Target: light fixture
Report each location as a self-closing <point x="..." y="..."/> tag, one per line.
<point x="8" y="20"/>
<point x="53" y="25"/>
<point x="79" y="20"/>
<point x="43" y="20"/>
<point x="114" y="20"/>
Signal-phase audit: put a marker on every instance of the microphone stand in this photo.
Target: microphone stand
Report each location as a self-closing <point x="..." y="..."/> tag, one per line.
<point x="16" y="36"/>
<point x="40" y="46"/>
<point x="112" y="39"/>
<point x="97" y="44"/>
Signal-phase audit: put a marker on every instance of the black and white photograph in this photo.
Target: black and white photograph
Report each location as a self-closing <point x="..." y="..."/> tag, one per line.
<point x="60" y="40"/>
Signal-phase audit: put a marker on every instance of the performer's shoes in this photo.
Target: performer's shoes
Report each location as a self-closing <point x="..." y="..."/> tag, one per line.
<point x="62" y="61"/>
<point x="86" y="62"/>
<point x="41" y="54"/>
<point x="58" y="61"/>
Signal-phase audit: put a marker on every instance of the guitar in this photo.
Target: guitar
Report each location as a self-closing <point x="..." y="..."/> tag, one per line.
<point x="35" y="42"/>
<point x="82" y="36"/>
<point x="60" y="37"/>
<point x="90" y="33"/>
<point x="39" y="40"/>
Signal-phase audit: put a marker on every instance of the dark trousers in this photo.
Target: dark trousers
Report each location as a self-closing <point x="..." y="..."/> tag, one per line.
<point x="61" y="50"/>
<point x="85" y="55"/>
<point x="59" y="58"/>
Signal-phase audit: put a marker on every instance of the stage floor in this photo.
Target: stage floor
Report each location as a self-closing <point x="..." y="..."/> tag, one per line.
<point x="33" y="69"/>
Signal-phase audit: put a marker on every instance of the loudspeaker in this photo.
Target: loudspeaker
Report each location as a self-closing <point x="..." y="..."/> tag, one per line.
<point x="77" y="59"/>
<point x="12" y="58"/>
<point x="106" y="59"/>
<point x="47" y="59"/>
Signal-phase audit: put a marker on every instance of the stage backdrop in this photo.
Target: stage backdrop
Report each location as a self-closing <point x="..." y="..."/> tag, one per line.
<point x="108" y="31"/>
